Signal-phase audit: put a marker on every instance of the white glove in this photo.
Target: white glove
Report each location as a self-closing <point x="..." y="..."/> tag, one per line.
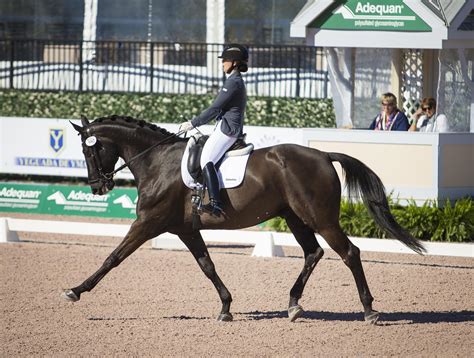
<point x="185" y="126"/>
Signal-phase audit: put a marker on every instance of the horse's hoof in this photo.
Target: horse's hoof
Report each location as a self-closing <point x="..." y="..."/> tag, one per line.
<point x="70" y="296"/>
<point x="294" y="312"/>
<point x="225" y="317"/>
<point x="372" y="317"/>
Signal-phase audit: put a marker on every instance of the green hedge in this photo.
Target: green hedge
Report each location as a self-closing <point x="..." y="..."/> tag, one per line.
<point x="164" y="108"/>
<point x="451" y="223"/>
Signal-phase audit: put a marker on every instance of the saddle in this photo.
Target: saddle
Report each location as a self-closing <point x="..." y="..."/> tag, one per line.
<point x="231" y="170"/>
<point x="195" y="146"/>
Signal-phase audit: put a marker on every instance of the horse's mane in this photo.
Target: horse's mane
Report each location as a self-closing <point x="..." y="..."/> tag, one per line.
<point x="138" y="123"/>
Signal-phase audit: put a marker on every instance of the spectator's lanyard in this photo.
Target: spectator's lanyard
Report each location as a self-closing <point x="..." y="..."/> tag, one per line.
<point x="386" y="127"/>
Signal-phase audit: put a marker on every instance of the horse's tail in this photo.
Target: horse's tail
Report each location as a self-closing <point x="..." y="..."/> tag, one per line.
<point x="361" y="181"/>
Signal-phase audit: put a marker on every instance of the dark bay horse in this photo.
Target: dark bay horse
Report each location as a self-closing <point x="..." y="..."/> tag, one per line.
<point x="297" y="183"/>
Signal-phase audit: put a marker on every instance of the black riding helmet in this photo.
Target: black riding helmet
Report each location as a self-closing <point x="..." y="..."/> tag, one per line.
<point x="235" y="52"/>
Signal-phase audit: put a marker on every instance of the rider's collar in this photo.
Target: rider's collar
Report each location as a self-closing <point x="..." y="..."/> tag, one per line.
<point x="234" y="71"/>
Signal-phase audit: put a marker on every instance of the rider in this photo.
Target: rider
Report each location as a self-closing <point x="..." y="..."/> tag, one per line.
<point x="228" y="108"/>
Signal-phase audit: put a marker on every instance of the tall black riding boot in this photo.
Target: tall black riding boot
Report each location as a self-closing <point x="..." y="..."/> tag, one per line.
<point x="212" y="182"/>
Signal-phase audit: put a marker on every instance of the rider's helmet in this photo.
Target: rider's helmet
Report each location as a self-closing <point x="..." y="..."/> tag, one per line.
<point x="235" y="52"/>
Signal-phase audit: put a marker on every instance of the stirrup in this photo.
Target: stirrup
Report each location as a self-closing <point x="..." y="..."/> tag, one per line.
<point x="213" y="208"/>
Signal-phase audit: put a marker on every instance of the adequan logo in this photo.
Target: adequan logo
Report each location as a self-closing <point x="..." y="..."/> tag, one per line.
<point x="56" y="139"/>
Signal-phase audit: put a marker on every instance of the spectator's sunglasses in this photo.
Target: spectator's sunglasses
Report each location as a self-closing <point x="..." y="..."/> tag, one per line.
<point x="424" y="109"/>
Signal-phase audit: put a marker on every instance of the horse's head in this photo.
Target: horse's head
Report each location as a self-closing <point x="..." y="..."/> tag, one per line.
<point x="101" y="155"/>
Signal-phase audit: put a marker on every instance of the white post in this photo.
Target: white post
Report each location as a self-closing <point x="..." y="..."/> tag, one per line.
<point x="265" y="247"/>
<point x="167" y="242"/>
<point x="215" y="30"/>
<point x="340" y="63"/>
<point x="89" y="31"/>
<point x="5" y="234"/>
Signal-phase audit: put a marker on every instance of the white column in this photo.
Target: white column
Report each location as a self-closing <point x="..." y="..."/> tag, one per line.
<point x="90" y="29"/>
<point x="340" y="64"/>
<point x="215" y="30"/>
<point x="469" y="83"/>
<point x="215" y="21"/>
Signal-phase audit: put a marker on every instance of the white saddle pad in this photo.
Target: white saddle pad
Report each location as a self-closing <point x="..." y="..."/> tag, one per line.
<point x="231" y="171"/>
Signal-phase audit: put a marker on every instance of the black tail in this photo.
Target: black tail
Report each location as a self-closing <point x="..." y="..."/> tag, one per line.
<point x="362" y="182"/>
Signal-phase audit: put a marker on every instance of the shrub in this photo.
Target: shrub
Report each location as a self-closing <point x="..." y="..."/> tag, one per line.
<point x="164" y="108"/>
<point x="451" y="223"/>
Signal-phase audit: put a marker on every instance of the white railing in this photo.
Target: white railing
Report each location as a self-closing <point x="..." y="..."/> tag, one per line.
<point x="276" y="82"/>
<point x="266" y="244"/>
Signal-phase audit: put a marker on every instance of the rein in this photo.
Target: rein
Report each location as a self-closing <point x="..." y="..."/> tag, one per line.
<point x="108" y="176"/>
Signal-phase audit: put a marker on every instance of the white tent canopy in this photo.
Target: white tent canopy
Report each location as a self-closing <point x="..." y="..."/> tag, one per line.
<point x="442" y="31"/>
<point x="387" y="24"/>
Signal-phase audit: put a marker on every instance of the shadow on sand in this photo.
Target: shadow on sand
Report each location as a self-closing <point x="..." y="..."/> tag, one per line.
<point x="385" y="318"/>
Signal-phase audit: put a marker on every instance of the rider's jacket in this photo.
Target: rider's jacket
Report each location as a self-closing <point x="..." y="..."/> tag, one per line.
<point x="228" y="106"/>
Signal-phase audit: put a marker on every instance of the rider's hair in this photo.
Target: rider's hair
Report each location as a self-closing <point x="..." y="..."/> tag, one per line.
<point x="242" y="66"/>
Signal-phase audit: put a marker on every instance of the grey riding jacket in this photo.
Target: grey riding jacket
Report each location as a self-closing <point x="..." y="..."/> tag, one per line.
<point x="228" y="106"/>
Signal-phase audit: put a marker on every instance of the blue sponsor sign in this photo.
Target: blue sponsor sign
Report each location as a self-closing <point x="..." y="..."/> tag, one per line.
<point x="50" y="162"/>
<point x="56" y="139"/>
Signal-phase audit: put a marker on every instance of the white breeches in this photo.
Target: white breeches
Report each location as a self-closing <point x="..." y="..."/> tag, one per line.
<point x="216" y="146"/>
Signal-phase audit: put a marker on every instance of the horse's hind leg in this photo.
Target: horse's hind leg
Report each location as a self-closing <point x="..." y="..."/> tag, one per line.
<point x="350" y="254"/>
<point x="196" y="245"/>
<point x="304" y="235"/>
<point x="136" y="236"/>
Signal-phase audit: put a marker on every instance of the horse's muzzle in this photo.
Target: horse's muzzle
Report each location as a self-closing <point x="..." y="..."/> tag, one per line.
<point x="110" y="184"/>
<point x="101" y="187"/>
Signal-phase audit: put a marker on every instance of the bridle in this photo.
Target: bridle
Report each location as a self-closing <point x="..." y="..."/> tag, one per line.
<point x="107" y="178"/>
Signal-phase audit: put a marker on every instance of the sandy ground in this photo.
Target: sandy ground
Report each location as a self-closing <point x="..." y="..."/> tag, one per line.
<point x="159" y="303"/>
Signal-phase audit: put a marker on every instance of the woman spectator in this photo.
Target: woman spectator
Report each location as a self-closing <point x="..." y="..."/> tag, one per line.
<point x="426" y="119"/>
<point x="390" y="118"/>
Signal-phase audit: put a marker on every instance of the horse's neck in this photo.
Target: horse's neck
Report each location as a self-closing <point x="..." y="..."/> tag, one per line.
<point x="129" y="144"/>
<point x="137" y="152"/>
<point x="158" y="168"/>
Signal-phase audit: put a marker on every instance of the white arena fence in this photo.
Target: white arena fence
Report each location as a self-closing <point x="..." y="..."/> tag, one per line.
<point x="173" y="68"/>
<point x="266" y="244"/>
<point x="170" y="79"/>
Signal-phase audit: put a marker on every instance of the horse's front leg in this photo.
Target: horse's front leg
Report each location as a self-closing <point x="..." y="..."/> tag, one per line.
<point x="196" y="245"/>
<point x="138" y="234"/>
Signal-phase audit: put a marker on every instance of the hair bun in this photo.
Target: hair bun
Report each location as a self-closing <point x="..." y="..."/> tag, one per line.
<point x="243" y="67"/>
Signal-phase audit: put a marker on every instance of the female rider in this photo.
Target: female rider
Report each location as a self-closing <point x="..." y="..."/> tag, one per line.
<point x="228" y="108"/>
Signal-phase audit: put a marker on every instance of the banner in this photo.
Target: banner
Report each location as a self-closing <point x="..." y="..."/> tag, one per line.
<point x="43" y="146"/>
<point x="374" y="15"/>
<point x="67" y="200"/>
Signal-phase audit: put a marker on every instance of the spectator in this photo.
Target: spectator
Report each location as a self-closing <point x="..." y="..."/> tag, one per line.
<point x="391" y="118"/>
<point x="425" y="119"/>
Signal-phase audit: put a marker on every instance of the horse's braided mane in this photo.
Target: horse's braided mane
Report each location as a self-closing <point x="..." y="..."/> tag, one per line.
<point x="137" y="122"/>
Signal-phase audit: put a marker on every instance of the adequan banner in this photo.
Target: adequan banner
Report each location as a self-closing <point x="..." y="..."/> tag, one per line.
<point x="67" y="200"/>
<point x="374" y="15"/>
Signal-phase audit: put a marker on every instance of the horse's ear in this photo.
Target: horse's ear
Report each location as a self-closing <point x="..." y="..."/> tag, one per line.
<point x="76" y="127"/>
<point x="84" y="121"/>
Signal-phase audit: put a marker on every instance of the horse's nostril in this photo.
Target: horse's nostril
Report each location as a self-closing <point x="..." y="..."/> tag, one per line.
<point x="110" y="184"/>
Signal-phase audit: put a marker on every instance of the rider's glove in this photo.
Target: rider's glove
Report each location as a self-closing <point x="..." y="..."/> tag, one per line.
<point x="185" y="126"/>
